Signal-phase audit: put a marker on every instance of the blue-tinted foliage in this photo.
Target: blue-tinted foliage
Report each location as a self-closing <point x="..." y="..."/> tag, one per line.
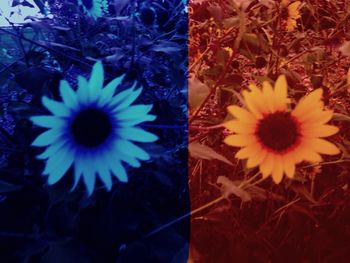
<point x="144" y="41"/>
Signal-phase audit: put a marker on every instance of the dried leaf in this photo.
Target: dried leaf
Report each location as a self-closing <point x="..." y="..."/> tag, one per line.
<point x="200" y="151"/>
<point x="229" y="188"/>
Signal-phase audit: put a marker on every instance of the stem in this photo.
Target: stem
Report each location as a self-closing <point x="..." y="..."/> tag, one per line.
<point x="199" y="128"/>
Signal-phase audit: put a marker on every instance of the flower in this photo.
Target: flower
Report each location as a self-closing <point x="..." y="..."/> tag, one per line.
<point x="93" y="129"/>
<point x="291" y="11"/>
<point x="94" y="8"/>
<point x="276" y="138"/>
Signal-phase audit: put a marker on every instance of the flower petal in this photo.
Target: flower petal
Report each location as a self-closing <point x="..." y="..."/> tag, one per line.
<point x="61" y="167"/>
<point x="129" y="100"/>
<point x="269" y="96"/>
<point x="249" y="100"/>
<point x="48" y="137"/>
<point x="289" y="166"/>
<point x="308" y="103"/>
<point x="145" y="118"/>
<point x="267" y="165"/>
<point x="248" y="151"/>
<point x="109" y="90"/>
<point x="52" y="149"/>
<point x="239" y="127"/>
<point x="97" y="78"/>
<point x="136" y="134"/>
<point x="323" y="146"/>
<point x="256" y="159"/>
<point x="277" y="172"/>
<point x="118" y="169"/>
<point x="131" y="149"/>
<point x="89" y="176"/>
<point x="103" y="172"/>
<point x="242" y="114"/>
<point x="281" y="93"/>
<point x="319" y="130"/>
<point x="68" y="95"/>
<point x="56" y="108"/>
<point x="134" y="112"/>
<point x="239" y="140"/>
<point x="83" y="90"/>
<point x="48" y="121"/>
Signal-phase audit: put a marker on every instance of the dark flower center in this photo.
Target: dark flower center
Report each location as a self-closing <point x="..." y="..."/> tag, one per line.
<point x="91" y="127"/>
<point x="278" y="131"/>
<point x="88" y="3"/>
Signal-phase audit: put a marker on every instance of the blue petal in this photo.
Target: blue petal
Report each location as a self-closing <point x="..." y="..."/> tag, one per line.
<point x="52" y="149"/>
<point x="103" y="171"/>
<point x="136" y="134"/>
<point x="78" y="169"/>
<point x="145" y="118"/>
<point x="132" y="161"/>
<point x="48" y="121"/>
<point x="129" y="100"/>
<point x="55" y="160"/>
<point x="56" y="108"/>
<point x="134" y="112"/>
<point x="97" y="76"/>
<point x="109" y="90"/>
<point x="89" y="175"/>
<point x="61" y="167"/>
<point x="96" y="81"/>
<point x="131" y="149"/>
<point x="47" y="137"/>
<point x="68" y="95"/>
<point x="121" y="97"/>
<point x="117" y="169"/>
<point x="83" y="92"/>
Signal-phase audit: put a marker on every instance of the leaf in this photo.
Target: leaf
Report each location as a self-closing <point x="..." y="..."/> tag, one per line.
<point x="229" y="188"/>
<point x="167" y="47"/>
<point x="200" y="151"/>
<point x="7" y="187"/>
<point x="340" y="117"/>
<point x="197" y="92"/>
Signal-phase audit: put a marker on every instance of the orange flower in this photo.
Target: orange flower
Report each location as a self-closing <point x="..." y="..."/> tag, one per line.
<point x="275" y="138"/>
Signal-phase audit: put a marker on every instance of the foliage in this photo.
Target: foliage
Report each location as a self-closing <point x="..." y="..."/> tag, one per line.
<point x="146" y="40"/>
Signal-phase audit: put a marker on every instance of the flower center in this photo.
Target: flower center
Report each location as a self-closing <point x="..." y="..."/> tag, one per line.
<point x="88" y="3"/>
<point x="91" y="127"/>
<point x="278" y="131"/>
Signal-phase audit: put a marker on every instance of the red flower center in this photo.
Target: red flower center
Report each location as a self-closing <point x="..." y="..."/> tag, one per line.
<point x="278" y="131"/>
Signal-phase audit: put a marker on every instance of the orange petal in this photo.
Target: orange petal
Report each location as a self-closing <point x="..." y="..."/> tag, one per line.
<point x="256" y="159"/>
<point x="281" y="93"/>
<point x="277" y="172"/>
<point x="266" y="166"/>
<point x="269" y="96"/>
<point x="242" y="114"/>
<point x="248" y="151"/>
<point x="239" y="127"/>
<point x="323" y="146"/>
<point x="289" y="165"/>
<point x="319" y="130"/>
<point x="307" y="103"/>
<point x="239" y="140"/>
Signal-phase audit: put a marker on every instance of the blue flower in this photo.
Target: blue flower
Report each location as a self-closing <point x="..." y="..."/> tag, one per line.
<point x="94" y="8"/>
<point x="94" y="130"/>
